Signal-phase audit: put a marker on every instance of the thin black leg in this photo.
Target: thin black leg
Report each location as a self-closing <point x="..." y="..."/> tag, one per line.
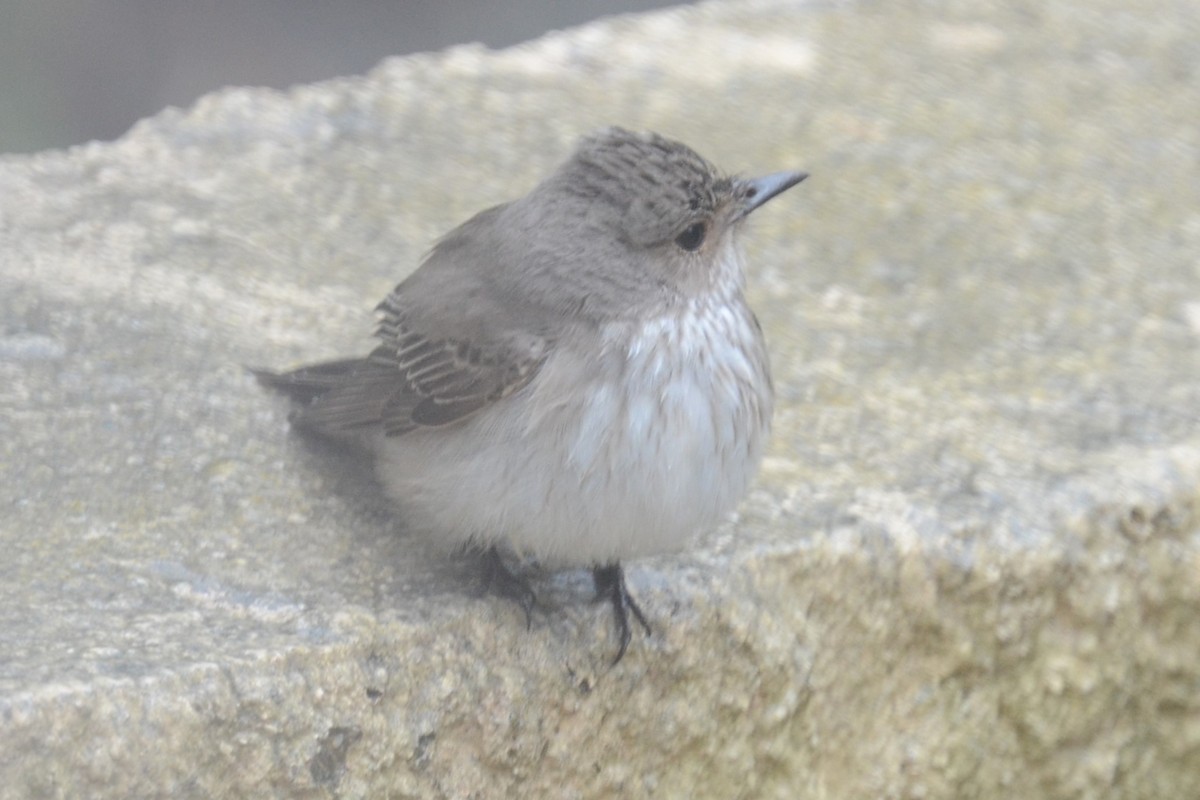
<point x="610" y="586"/>
<point x="499" y="578"/>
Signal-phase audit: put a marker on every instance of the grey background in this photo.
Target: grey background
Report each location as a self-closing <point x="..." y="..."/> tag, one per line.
<point x="72" y="70"/>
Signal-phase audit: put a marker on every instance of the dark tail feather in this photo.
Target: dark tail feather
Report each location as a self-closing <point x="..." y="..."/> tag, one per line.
<point x="308" y="383"/>
<point x="335" y="397"/>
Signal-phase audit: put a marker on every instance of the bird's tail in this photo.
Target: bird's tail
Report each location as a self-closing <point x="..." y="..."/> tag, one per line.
<point x="306" y="384"/>
<point x="335" y="398"/>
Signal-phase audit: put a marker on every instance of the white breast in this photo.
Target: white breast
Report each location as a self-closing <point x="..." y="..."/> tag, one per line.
<point x="627" y="450"/>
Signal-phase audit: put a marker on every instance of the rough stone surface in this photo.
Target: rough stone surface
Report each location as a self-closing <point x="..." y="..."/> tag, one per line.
<point x="971" y="567"/>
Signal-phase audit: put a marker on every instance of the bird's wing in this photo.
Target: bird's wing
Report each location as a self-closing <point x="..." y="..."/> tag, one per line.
<point x="445" y="377"/>
<point x="451" y="343"/>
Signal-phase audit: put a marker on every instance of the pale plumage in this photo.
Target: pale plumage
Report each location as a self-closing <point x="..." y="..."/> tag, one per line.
<point x="575" y="375"/>
<point x="630" y="450"/>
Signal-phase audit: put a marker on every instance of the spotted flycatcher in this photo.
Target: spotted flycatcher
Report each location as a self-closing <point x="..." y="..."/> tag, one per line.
<point x="574" y="375"/>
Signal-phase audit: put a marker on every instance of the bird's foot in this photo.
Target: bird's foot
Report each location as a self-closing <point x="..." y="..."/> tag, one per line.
<point x="610" y="586"/>
<point x="499" y="578"/>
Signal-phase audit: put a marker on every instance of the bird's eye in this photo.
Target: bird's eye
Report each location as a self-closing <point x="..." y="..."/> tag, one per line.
<point x="692" y="236"/>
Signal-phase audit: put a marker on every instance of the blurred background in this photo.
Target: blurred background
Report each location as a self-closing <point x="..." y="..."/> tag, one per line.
<point x="76" y="70"/>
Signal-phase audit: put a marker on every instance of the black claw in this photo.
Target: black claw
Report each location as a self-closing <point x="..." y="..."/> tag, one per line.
<point x="499" y="578"/>
<point x="610" y="586"/>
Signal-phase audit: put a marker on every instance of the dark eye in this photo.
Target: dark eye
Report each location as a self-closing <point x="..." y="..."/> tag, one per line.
<point x="692" y="236"/>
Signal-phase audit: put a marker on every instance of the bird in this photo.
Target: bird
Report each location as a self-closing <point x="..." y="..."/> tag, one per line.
<point x="574" y="376"/>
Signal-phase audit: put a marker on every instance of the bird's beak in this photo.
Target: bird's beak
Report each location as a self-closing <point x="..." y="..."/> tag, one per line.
<point x="756" y="191"/>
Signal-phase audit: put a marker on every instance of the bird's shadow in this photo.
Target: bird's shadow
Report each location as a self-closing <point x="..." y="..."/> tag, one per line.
<point x="346" y="471"/>
<point x="418" y="567"/>
<point x="377" y="524"/>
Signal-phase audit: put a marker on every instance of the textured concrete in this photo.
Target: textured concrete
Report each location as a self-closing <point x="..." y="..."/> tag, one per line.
<point x="971" y="567"/>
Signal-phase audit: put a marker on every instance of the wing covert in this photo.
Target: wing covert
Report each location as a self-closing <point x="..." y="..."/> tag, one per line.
<point x="447" y="378"/>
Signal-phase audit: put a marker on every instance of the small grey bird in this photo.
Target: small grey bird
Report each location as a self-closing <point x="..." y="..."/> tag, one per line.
<point x="574" y="375"/>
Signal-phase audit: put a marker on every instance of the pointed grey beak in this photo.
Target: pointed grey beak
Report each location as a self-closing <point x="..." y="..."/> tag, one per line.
<point x="756" y="191"/>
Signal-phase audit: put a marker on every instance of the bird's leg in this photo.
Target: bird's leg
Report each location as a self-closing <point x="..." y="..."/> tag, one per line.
<point x="498" y="577"/>
<point x="610" y="586"/>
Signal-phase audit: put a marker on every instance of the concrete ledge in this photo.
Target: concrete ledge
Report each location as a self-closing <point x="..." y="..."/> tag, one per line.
<point x="971" y="567"/>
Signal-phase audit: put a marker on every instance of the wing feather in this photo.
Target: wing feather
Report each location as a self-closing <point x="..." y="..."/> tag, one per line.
<point x="443" y="380"/>
<point x="451" y="343"/>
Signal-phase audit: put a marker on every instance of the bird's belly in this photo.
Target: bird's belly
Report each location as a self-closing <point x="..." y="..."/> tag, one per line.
<point x="661" y="463"/>
<point x="626" y="453"/>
